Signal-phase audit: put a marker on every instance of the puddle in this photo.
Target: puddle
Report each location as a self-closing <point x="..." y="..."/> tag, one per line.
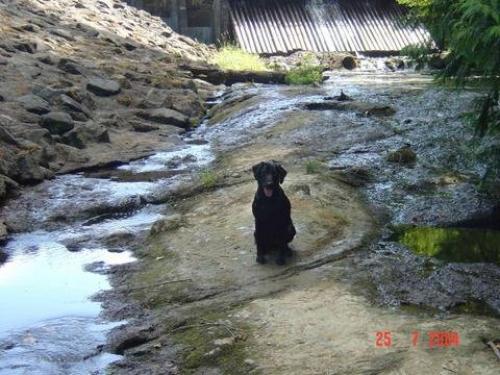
<point x="462" y="245"/>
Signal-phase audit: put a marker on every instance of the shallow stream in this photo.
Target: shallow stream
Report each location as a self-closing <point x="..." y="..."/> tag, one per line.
<point x="73" y="228"/>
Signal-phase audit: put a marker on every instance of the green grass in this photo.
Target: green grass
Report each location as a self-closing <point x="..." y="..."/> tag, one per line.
<point x="234" y="58"/>
<point x="313" y="166"/>
<point x="306" y="73"/>
<point x="208" y="179"/>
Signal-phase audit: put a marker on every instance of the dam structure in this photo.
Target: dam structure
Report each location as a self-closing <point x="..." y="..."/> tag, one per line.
<point x="285" y="26"/>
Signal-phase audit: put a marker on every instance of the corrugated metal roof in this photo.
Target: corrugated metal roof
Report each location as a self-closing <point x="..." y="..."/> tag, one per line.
<point x="270" y="27"/>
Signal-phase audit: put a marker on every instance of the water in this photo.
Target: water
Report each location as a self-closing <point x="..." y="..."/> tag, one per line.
<point x="48" y="321"/>
<point x="453" y="244"/>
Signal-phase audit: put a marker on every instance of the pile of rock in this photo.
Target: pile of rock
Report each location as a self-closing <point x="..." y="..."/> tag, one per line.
<point x="86" y="83"/>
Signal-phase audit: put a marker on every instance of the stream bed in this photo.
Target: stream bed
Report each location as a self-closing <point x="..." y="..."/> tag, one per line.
<point x="74" y="228"/>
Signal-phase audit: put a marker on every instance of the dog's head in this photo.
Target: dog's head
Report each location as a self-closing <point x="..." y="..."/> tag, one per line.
<point x="269" y="175"/>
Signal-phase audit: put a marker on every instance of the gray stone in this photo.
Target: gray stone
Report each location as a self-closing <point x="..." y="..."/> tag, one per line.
<point x="103" y="87"/>
<point x="69" y="66"/>
<point x="3" y="232"/>
<point x="72" y="105"/>
<point x="142" y="127"/>
<point x="47" y="93"/>
<point x="57" y="122"/>
<point x="166" y="224"/>
<point x="165" y="116"/>
<point x="34" y="104"/>
<point x="25" y="46"/>
<point x="47" y="59"/>
<point x="63" y="34"/>
<point x="83" y="134"/>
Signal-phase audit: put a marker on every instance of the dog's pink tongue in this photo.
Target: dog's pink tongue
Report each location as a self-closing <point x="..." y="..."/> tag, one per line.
<point x="268" y="192"/>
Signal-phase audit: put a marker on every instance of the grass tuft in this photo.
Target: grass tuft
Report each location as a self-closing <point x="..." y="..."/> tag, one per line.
<point x="234" y="58"/>
<point x="208" y="179"/>
<point x="306" y="73"/>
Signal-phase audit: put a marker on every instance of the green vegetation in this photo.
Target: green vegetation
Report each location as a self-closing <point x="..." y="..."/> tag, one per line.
<point x="418" y="52"/>
<point x="208" y="179"/>
<point x="453" y="244"/>
<point x="305" y="73"/>
<point x="231" y="57"/>
<point x="313" y="166"/>
<point x="470" y="29"/>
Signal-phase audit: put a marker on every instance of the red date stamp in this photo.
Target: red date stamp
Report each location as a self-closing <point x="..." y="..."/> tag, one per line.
<point x="435" y="339"/>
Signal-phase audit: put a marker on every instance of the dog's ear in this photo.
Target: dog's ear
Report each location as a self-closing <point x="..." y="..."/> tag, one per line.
<point x="256" y="170"/>
<point x="281" y="172"/>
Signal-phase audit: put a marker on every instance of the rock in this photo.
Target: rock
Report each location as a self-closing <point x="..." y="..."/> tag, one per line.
<point x="69" y="66"/>
<point x="184" y="101"/>
<point x="338" y="60"/>
<point x="166" y="224"/>
<point x="57" y="122"/>
<point x="34" y="104"/>
<point x="48" y="59"/>
<point x="48" y="93"/>
<point x="341" y="98"/>
<point x="103" y="87"/>
<point x="72" y="105"/>
<point x="3" y="61"/>
<point x="394" y="63"/>
<point x="405" y="155"/>
<point x="226" y="341"/>
<point x="6" y="185"/>
<point x="25" y="46"/>
<point x="142" y="127"/>
<point x="5" y="135"/>
<point x="30" y="28"/>
<point x="165" y="116"/>
<point x="28" y="171"/>
<point x="380" y="111"/>
<point x="355" y="176"/>
<point x="3" y="235"/>
<point x="83" y="134"/>
<point x="126" y="337"/>
<point x="63" y="34"/>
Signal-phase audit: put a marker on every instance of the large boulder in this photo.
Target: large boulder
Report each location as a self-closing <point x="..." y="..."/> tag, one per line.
<point x="103" y="87"/>
<point x="165" y="116"/>
<point x="405" y="155"/>
<point x="34" y="104"/>
<point x="57" y="122"/>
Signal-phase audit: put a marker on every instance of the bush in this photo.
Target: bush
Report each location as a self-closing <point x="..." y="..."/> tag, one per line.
<point x="306" y="73"/>
<point x="470" y="29"/>
<point x="234" y="58"/>
<point x="418" y="52"/>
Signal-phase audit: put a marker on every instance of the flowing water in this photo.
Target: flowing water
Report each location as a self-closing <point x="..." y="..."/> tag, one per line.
<point x="68" y="226"/>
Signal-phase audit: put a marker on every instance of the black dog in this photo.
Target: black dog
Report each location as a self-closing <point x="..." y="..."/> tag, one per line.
<point x="271" y="208"/>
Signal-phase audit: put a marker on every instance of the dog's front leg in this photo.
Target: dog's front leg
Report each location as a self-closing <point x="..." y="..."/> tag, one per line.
<point x="282" y="254"/>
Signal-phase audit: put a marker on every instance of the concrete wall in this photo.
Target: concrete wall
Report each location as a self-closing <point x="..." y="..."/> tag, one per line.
<point x="206" y="22"/>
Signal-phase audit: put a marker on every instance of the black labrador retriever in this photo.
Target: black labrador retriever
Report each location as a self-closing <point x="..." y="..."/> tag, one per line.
<point x="271" y="208"/>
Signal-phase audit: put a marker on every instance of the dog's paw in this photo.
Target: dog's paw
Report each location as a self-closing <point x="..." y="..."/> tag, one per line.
<point x="261" y="259"/>
<point x="280" y="261"/>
